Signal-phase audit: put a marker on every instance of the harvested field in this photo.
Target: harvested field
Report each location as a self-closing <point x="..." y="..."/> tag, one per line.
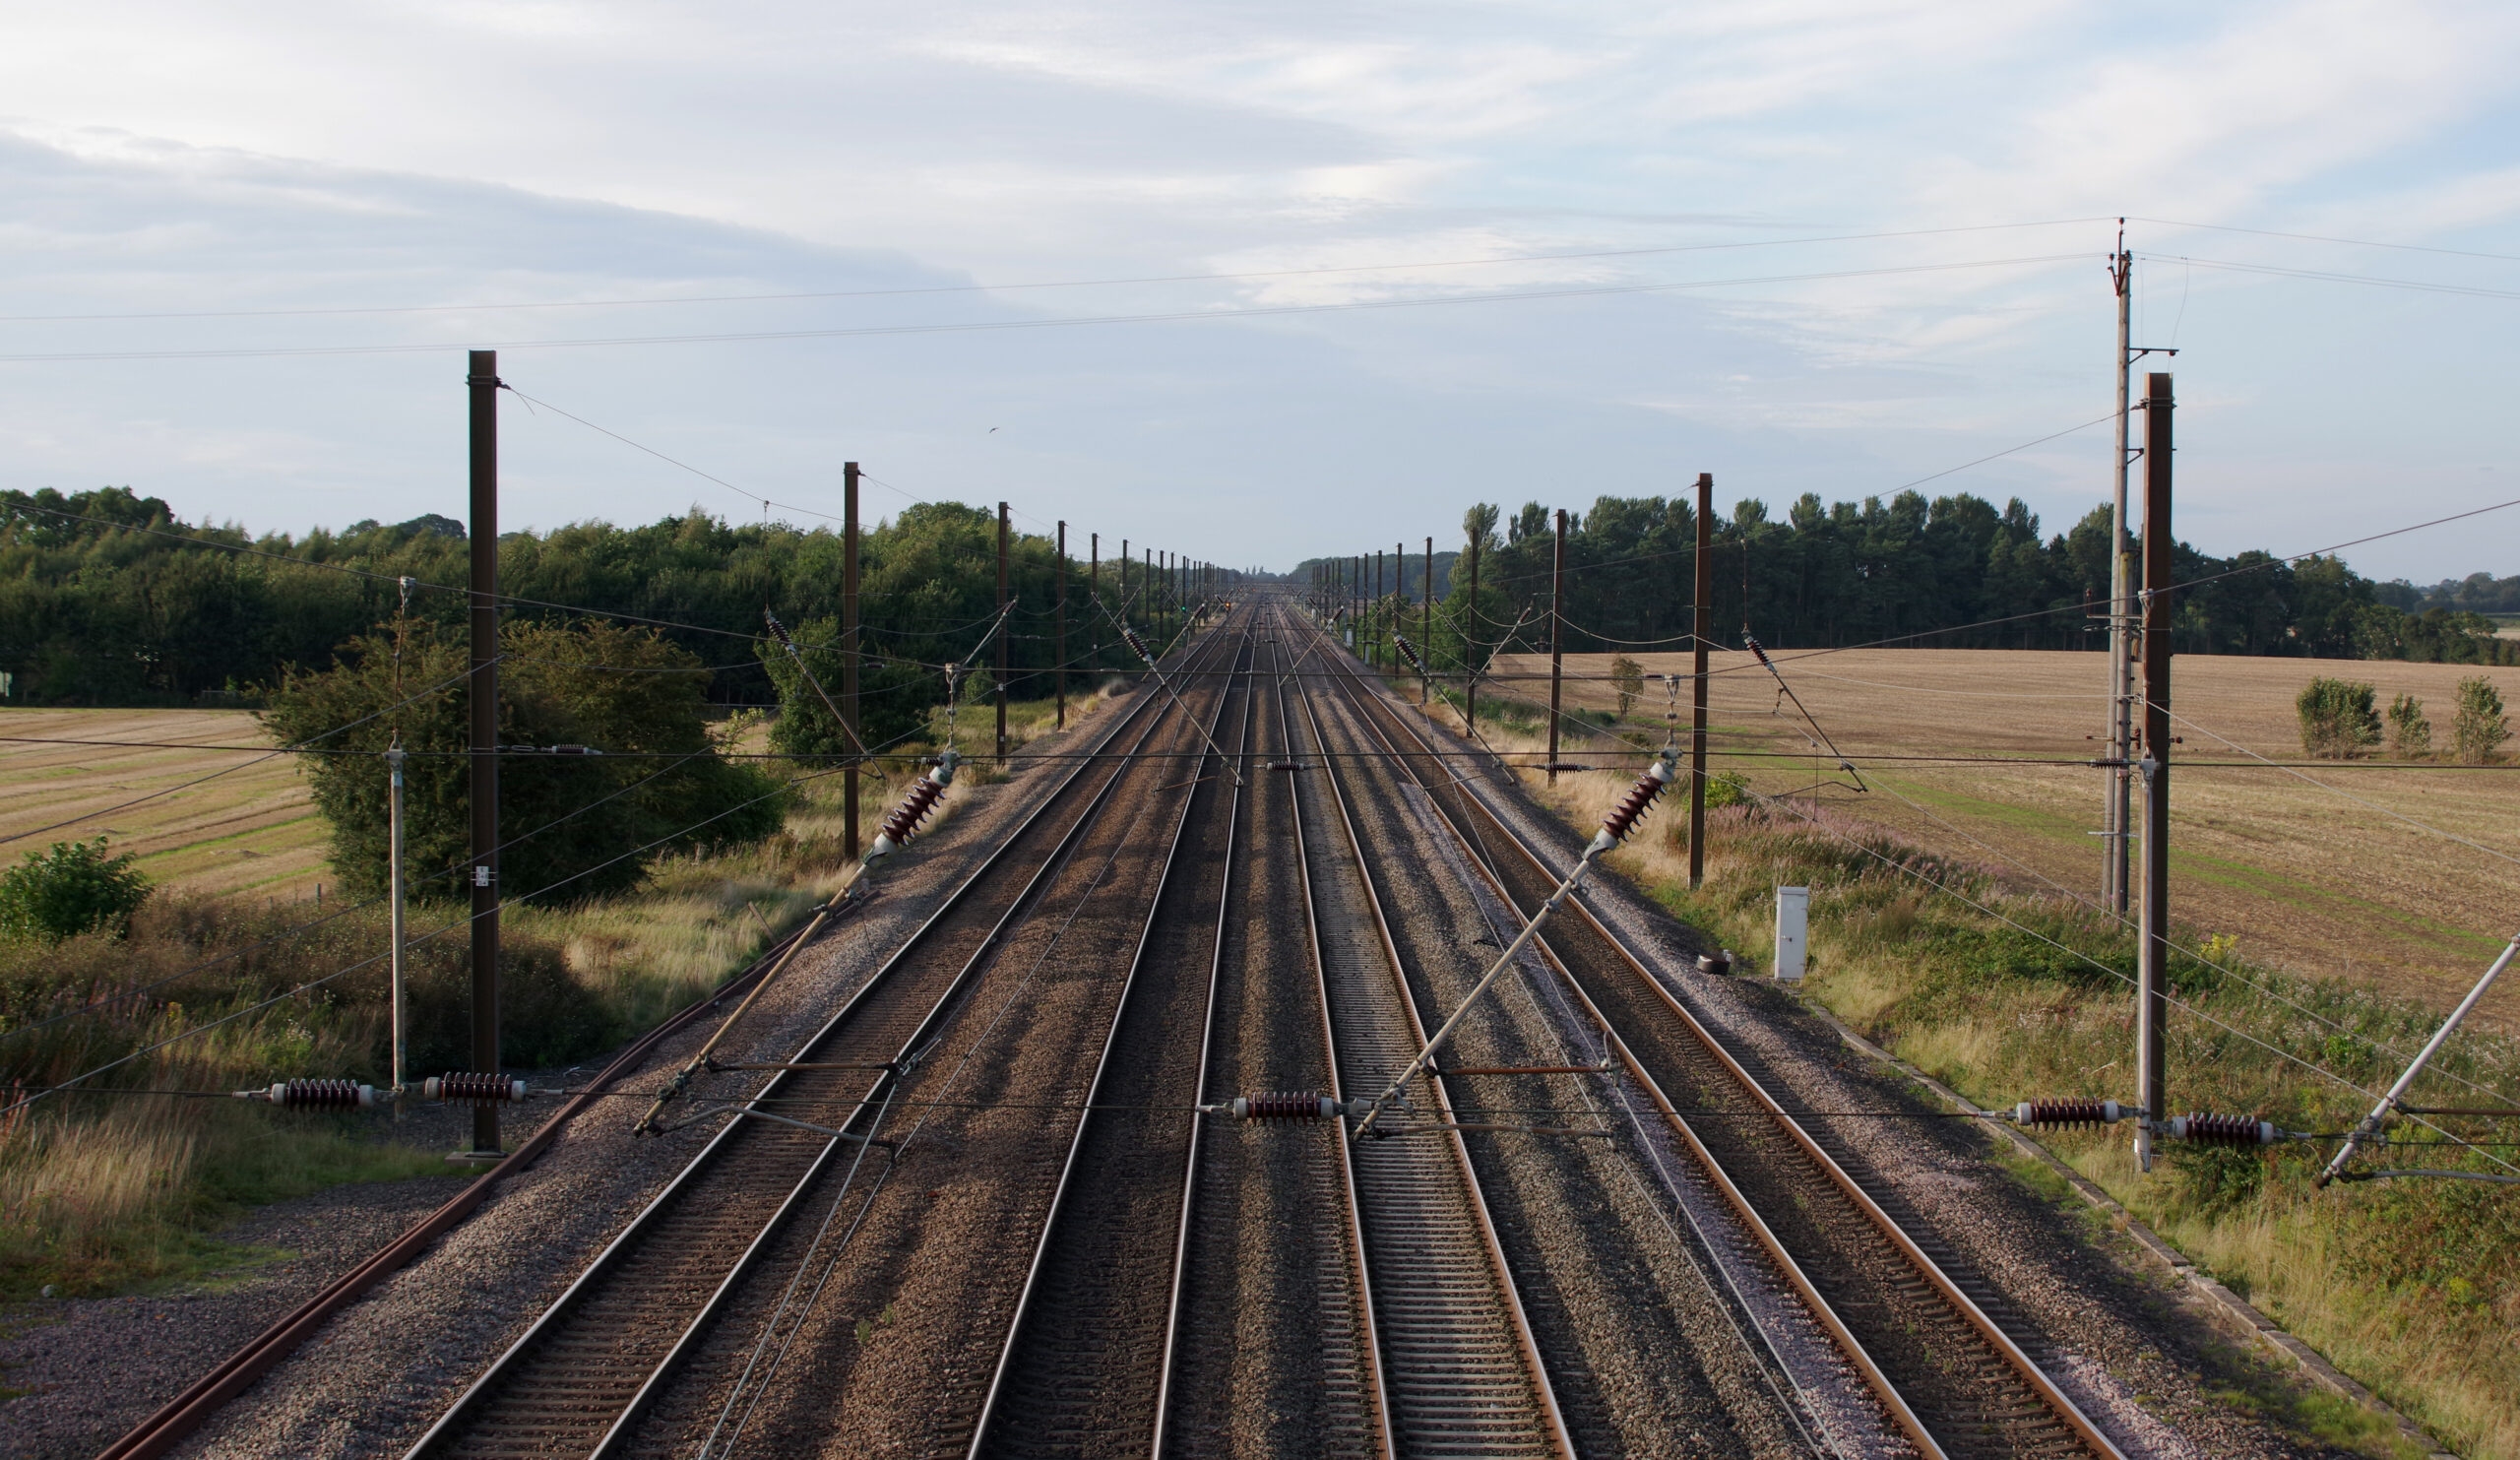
<point x="2300" y="875"/>
<point x="251" y="832"/>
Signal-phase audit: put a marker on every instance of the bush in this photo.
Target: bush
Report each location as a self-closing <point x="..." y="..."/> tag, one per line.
<point x="2409" y="734"/>
<point x="569" y="821"/>
<point x="2478" y="727"/>
<point x="68" y="889"/>
<point x="2338" y="718"/>
<point x="1627" y="676"/>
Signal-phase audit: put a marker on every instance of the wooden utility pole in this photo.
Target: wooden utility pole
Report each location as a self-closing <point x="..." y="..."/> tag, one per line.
<point x="1378" y="606"/>
<point x="849" y="653"/>
<point x="1427" y="629"/>
<point x="2116" y="824"/>
<point x="1124" y="582"/>
<point x="484" y="381"/>
<point x="1001" y="633"/>
<point x="1470" y="661"/>
<point x="1556" y="638"/>
<point x="1062" y="648"/>
<point x="1094" y="589"/>
<point x="1704" y="594"/>
<point x="2153" y="961"/>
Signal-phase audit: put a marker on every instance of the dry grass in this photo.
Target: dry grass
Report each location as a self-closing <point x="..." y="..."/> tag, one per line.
<point x="99" y="1193"/>
<point x="2302" y="877"/>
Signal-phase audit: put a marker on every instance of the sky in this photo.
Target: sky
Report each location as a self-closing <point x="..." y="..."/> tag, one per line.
<point x="1255" y="282"/>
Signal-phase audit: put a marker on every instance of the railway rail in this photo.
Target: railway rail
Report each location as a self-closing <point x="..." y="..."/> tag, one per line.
<point x="1217" y="903"/>
<point x="1954" y="1365"/>
<point x="580" y="1378"/>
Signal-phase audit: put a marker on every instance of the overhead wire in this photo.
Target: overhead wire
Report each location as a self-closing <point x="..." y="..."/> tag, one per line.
<point x="970" y="289"/>
<point x="1175" y="316"/>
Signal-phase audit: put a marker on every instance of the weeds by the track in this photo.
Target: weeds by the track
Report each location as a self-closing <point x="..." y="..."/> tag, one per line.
<point x="2413" y="1287"/>
<point x="103" y="1192"/>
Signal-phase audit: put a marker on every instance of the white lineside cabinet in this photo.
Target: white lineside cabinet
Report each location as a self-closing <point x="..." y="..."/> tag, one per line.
<point x="1792" y="930"/>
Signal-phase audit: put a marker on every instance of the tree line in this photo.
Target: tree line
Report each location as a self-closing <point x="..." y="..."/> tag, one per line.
<point x="1952" y="572"/>
<point x="107" y="598"/>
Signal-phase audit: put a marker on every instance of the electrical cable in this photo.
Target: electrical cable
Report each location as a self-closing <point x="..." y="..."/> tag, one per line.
<point x="2320" y="1070"/>
<point x="230" y="770"/>
<point x="1177" y="316"/>
<point x="968" y="288"/>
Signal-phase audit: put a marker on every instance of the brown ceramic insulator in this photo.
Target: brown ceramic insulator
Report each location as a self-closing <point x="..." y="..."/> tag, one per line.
<point x="1285" y="1104"/>
<point x="320" y="1094"/>
<point x="472" y="1089"/>
<point x="913" y="810"/>
<point x="2221" y="1130"/>
<point x="2066" y="1112"/>
<point x="1624" y="817"/>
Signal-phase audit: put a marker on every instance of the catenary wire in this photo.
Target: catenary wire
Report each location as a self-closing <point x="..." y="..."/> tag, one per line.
<point x="1176" y="316"/>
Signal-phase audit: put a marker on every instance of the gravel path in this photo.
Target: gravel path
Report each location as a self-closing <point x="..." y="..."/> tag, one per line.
<point x="86" y="1369"/>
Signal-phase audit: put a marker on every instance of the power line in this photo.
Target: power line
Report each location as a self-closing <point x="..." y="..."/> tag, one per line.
<point x="230" y="770"/>
<point x="971" y="289"/>
<point x="2325" y="277"/>
<point x="1178" y="316"/>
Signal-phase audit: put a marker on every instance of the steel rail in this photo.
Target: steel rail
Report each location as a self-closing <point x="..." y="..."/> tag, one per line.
<point x="168" y="1428"/>
<point x="466" y="1406"/>
<point x="1359" y="1299"/>
<point x="1218" y="941"/>
<point x="1987" y="1330"/>
<point x="1378" y="1390"/>
<point x="1054" y="1228"/>
<point x="1508" y="1296"/>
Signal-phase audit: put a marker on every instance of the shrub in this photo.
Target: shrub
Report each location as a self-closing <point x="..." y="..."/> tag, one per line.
<point x="2409" y="734"/>
<point x="1627" y="676"/>
<point x="2478" y="727"/>
<point x="68" y="889"/>
<point x="569" y="821"/>
<point x="2338" y="717"/>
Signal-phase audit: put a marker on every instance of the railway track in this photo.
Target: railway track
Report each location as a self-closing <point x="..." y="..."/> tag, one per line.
<point x="1461" y="1374"/>
<point x="1081" y="1363"/>
<point x="579" y="1380"/>
<point x="996" y="1137"/>
<point x="1946" y="1355"/>
<point x="1269" y="1342"/>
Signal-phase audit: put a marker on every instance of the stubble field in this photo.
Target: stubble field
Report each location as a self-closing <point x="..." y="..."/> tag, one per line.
<point x="250" y="832"/>
<point x="2312" y="870"/>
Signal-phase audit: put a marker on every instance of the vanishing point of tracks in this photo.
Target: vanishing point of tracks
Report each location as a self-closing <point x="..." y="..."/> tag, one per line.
<point x="981" y="1212"/>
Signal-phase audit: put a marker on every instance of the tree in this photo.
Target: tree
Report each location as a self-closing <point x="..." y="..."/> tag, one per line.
<point x="1627" y="676"/>
<point x="68" y="889"/>
<point x="2478" y="728"/>
<point x="2410" y="732"/>
<point x="575" y="826"/>
<point x="2338" y="718"/>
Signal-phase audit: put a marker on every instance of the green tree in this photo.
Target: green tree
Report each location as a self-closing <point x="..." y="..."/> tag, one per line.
<point x="568" y="819"/>
<point x="1627" y="676"/>
<point x="2410" y="732"/>
<point x="69" y="888"/>
<point x="2478" y="728"/>
<point x="2338" y="717"/>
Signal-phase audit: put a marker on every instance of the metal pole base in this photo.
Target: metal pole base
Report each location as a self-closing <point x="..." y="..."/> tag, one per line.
<point x="476" y="1158"/>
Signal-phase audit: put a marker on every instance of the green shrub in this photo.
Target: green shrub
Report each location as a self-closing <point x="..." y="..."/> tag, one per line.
<point x="2338" y="717"/>
<point x="2479" y="727"/>
<point x="2410" y="732"/>
<point x="68" y="889"/>
<point x="1627" y="676"/>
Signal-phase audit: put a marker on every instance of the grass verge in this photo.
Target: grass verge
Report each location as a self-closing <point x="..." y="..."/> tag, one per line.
<point x="2411" y="1286"/>
<point x="106" y="1192"/>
